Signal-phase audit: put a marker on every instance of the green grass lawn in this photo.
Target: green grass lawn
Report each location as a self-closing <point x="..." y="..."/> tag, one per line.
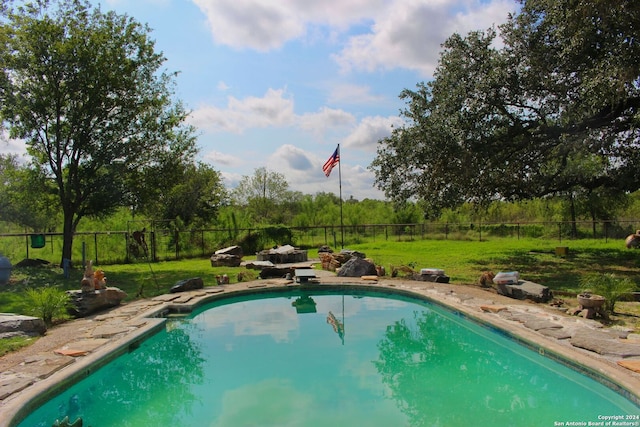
<point x="535" y="259"/>
<point x="463" y="262"/>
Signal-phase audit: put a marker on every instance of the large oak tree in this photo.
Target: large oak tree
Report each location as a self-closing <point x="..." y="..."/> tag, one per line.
<point x="87" y="92"/>
<point x="550" y="109"/>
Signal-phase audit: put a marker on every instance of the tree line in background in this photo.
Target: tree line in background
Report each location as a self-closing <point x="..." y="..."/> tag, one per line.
<point x="544" y="127"/>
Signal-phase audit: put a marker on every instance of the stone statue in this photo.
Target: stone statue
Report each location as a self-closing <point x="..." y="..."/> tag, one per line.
<point x="92" y="280"/>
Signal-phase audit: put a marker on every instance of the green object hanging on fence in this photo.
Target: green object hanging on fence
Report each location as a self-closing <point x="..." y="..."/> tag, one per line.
<point x="37" y="241"/>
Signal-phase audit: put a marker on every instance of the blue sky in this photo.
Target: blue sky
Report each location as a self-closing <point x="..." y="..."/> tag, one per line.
<point x="279" y="83"/>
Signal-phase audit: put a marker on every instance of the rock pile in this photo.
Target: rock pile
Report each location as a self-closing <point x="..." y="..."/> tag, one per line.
<point x="227" y="257"/>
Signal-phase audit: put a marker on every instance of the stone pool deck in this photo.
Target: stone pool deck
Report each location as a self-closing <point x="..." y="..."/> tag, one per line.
<point x="73" y="350"/>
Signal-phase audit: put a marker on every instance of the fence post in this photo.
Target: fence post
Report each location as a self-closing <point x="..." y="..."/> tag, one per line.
<point x="153" y="246"/>
<point x="177" y="239"/>
<point x="95" y="245"/>
<point x="560" y="231"/>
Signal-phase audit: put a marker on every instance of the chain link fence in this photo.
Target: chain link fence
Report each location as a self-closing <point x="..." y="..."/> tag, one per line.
<point x="153" y="241"/>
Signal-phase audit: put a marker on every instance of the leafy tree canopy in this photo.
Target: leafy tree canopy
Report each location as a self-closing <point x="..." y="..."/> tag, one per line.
<point x="262" y="193"/>
<point x="87" y="93"/>
<point x="550" y="108"/>
<point x="26" y="196"/>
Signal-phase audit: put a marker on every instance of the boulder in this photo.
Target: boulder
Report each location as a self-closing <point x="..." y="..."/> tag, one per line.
<point x="231" y="250"/>
<point x="438" y="278"/>
<point x="357" y="267"/>
<point x="16" y="324"/>
<point x="633" y="240"/>
<point x="86" y="303"/>
<point x="225" y="260"/>
<point x="271" y="272"/>
<point x="187" y="285"/>
<point x="524" y="289"/>
<point x="285" y="254"/>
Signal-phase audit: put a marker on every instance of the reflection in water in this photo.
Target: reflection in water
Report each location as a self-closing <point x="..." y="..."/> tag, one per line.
<point x="257" y="362"/>
<point x="440" y="373"/>
<point x="304" y="304"/>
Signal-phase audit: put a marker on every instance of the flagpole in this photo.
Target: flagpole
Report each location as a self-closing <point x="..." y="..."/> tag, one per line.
<point x="340" y="183"/>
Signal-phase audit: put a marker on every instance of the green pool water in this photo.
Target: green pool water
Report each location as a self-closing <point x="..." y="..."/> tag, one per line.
<point x="322" y="359"/>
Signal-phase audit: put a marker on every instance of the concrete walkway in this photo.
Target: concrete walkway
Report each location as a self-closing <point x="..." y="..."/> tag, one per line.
<point x="77" y="348"/>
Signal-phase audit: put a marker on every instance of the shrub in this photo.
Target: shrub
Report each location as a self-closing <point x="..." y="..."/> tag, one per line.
<point x="608" y="285"/>
<point x="48" y="303"/>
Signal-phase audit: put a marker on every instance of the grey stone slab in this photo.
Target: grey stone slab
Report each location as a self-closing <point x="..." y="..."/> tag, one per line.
<point x="166" y="297"/>
<point x="537" y="324"/>
<point x="19" y="323"/>
<point x="604" y="343"/>
<point x="46" y="366"/>
<point x="108" y="331"/>
<point x="183" y="299"/>
<point x="557" y="333"/>
<point x="523" y="317"/>
<point x="87" y="345"/>
<point x="525" y="289"/>
<point x="13" y="384"/>
<point x="136" y="323"/>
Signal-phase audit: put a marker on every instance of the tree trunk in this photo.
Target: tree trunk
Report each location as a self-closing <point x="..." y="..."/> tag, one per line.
<point x="67" y="237"/>
<point x="572" y="207"/>
<point x="593" y="222"/>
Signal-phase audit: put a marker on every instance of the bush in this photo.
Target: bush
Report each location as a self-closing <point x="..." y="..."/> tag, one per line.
<point x="609" y="286"/>
<point x="48" y="303"/>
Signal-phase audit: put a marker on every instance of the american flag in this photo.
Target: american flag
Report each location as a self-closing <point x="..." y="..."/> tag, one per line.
<point x="332" y="162"/>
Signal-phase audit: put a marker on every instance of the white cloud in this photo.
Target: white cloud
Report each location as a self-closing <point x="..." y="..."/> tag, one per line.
<point x="221" y="158"/>
<point x="12" y="146"/>
<point x="381" y="34"/>
<point x="370" y="130"/>
<point x="353" y="94"/>
<point x="325" y="120"/>
<point x="357" y="181"/>
<point x="273" y="109"/>
<point x="294" y="157"/>
<point x="411" y="33"/>
<point x="267" y="25"/>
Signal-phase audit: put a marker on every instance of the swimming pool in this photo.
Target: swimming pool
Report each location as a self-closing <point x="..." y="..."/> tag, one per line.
<point x="321" y="358"/>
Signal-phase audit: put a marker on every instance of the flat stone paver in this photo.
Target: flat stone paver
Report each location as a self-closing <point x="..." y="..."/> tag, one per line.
<point x="536" y="324"/>
<point x="183" y="299"/>
<point x="86" y="345"/>
<point x="45" y="366"/>
<point x="493" y="308"/>
<point x="633" y="364"/>
<point x="13" y="383"/>
<point x="557" y="333"/>
<point x="108" y="331"/>
<point x="604" y="343"/>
